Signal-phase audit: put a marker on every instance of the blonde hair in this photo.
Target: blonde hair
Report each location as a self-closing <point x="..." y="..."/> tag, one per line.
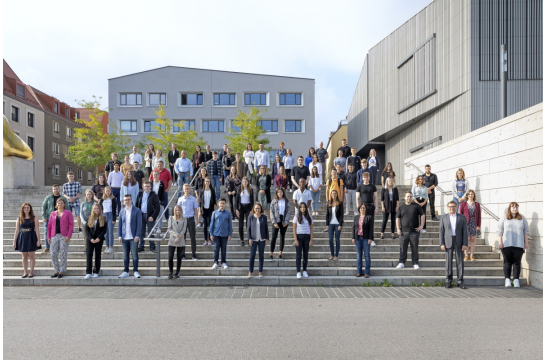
<point x="104" y="196"/>
<point x="181" y="211"/>
<point x="101" y="218"/>
<point x="463" y="174"/>
<point x="87" y="192"/>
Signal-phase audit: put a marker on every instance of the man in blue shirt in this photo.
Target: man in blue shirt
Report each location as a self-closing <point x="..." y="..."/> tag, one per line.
<point x="221" y="229"/>
<point x="184" y="169"/>
<point x="281" y="152"/>
<point x="364" y="169"/>
<point x="190" y="206"/>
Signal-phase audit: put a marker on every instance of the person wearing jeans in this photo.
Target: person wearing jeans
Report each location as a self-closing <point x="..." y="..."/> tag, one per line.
<point x="334" y="222"/>
<point x="214" y="168"/>
<point x="410" y="220"/>
<point x="280" y="217"/>
<point x="362" y="236"/>
<point x="258" y="237"/>
<point x="48" y="206"/>
<point x="315" y="186"/>
<point x="460" y="186"/>
<point x="207" y="205"/>
<point x="303" y="234"/>
<point x="184" y="169"/>
<point x="221" y="229"/>
<point x="190" y="207"/>
<point x="108" y="203"/>
<point x="351" y="184"/>
<point x="128" y="230"/>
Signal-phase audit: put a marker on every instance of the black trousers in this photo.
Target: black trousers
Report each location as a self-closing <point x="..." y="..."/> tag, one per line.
<point x="424" y="209"/>
<point x="459" y="261"/>
<point x="288" y="175"/>
<point x="512" y="257"/>
<point x="409" y="237"/>
<point x="302" y="251"/>
<point x="392" y="221"/>
<point x="431" y="201"/>
<point x="191" y="229"/>
<point x="173" y="174"/>
<point x="232" y="204"/>
<point x="243" y="212"/>
<point x="149" y="169"/>
<point x="207" y="216"/>
<point x="97" y="249"/>
<point x="180" y="250"/>
<point x="282" y="230"/>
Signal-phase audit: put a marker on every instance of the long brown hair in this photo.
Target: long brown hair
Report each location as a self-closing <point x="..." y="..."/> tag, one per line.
<point x="126" y="181"/>
<point x="98" y="179"/>
<point x="30" y="213"/>
<point x="300" y="214"/>
<point x="283" y="194"/>
<point x="337" y="201"/>
<point x="466" y="198"/>
<point x="391" y="172"/>
<point x="508" y="215"/>
<point x="247" y="188"/>
<point x="200" y="173"/>
<point x="101" y="218"/>
<point x="312" y="172"/>
<point x="152" y="149"/>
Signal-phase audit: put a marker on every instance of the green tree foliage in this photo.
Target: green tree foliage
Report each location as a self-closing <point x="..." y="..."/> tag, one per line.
<point x="250" y="131"/>
<point x="163" y="134"/>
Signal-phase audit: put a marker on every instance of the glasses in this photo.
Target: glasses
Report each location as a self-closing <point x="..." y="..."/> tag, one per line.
<point x="452" y="206"/>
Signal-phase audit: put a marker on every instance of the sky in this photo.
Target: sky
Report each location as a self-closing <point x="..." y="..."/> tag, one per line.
<point x="69" y="49"/>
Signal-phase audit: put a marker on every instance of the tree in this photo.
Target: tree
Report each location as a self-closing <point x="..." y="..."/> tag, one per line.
<point x="250" y="131"/>
<point x="166" y="131"/>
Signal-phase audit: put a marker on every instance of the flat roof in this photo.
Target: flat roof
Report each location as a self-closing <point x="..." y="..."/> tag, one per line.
<point x="233" y="72"/>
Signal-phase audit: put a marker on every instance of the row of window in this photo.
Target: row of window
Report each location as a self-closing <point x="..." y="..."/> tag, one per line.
<point x="30" y="120"/>
<point x="56" y="168"/>
<point x="220" y="99"/>
<point x="131" y="126"/>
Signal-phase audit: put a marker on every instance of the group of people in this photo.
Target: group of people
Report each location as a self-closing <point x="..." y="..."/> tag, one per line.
<point x="125" y="195"/>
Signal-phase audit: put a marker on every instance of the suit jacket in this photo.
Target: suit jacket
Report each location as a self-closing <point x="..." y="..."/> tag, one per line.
<point x="161" y="191"/>
<point x="274" y="171"/>
<point x="96" y="233"/>
<point x="275" y="212"/>
<point x="339" y="214"/>
<point x="172" y="158"/>
<point x="445" y="232"/>
<point x="367" y="228"/>
<point x="136" y="223"/>
<point x="212" y="199"/>
<point x="175" y="229"/>
<point x="389" y="206"/>
<point x="154" y="205"/>
<point x="252" y="199"/>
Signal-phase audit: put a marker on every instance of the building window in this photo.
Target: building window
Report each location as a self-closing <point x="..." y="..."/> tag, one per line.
<point x="56" y="170"/>
<point x="224" y="99"/>
<point x="290" y="99"/>
<point x="14" y="114"/>
<point x="56" y="127"/>
<point x="150" y="124"/>
<point x="234" y="127"/>
<point x="128" y="125"/>
<point x="191" y="99"/>
<point x="20" y="91"/>
<point x="77" y="115"/>
<point x="89" y="176"/>
<point x="269" y="125"/>
<point x="30" y="142"/>
<point x="188" y="125"/>
<point x="30" y="121"/>
<point x="293" y="125"/>
<point x="56" y="107"/>
<point x="132" y="99"/>
<point x="56" y="148"/>
<point x="80" y="174"/>
<point x="68" y="169"/>
<point x="69" y="132"/>
<point x="157" y="99"/>
<point x="212" y="126"/>
<point x="67" y="112"/>
<point x="255" y="99"/>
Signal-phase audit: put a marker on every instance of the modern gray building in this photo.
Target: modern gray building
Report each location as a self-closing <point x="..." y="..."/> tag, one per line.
<point x="437" y="76"/>
<point x="208" y="100"/>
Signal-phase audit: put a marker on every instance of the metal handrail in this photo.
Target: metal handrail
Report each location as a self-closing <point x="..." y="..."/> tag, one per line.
<point x="485" y="209"/>
<point x="163" y="237"/>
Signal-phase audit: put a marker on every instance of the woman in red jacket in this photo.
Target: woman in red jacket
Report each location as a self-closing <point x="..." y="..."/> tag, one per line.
<point x="472" y="211"/>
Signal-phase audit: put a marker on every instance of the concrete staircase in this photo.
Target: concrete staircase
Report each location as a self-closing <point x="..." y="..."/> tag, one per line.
<point x="485" y="270"/>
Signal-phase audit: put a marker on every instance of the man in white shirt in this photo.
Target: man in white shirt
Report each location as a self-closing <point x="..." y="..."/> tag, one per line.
<point x="261" y="157"/>
<point x="134" y="156"/>
<point x="301" y="195"/>
<point x="184" y="169"/>
<point x="115" y="180"/>
<point x="129" y="228"/>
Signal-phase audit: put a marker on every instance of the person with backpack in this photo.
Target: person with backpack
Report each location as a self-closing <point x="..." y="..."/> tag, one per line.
<point x="334" y="183"/>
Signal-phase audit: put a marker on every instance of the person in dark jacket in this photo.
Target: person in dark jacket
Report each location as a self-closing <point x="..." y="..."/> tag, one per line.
<point x="158" y="187"/>
<point x="173" y="155"/>
<point x="108" y="206"/>
<point x="374" y="166"/>
<point x="227" y="160"/>
<point x="263" y="185"/>
<point x="245" y="204"/>
<point x="207" y="154"/>
<point x="197" y="159"/>
<point x="258" y="237"/>
<point x="334" y="223"/>
<point x="207" y="205"/>
<point x="390" y="203"/>
<point x="232" y="184"/>
<point x="95" y="229"/>
<point x="276" y="168"/>
<point x="362" y="236"/>
<point x="148" y="203"/>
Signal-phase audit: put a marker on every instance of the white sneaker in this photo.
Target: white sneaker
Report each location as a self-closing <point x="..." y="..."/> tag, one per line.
<point x="422" y="231"/>
<point x="305" y="274"/>
<point x="95" y="275"/>
<point x="205" y="243"/>
<point x="107" y="251"/>
<point x="346" y="213"/>
<point x="111" y="250"/>
<point x="416" y="267"/>
<point x="88" y="276"/>
<point x="158" y="232"/>
<point x="215" y="266"/>
<point x="373" y="243"/>
<point x="317" y="213"/>
<point x="199" y="225"/>
<point x="124" y="275"/>
<point x="507" y="282"/>
<point x="137" y="275"/>
<point x="224" y="266"/>
<point x="400" y="266"/>
<point x="516" y="283"/>
<point x="298" y="275"/>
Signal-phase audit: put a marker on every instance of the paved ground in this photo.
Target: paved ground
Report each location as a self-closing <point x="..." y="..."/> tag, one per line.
<point x="268" y="323"/>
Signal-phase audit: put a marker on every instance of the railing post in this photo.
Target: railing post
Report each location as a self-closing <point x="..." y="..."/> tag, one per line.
<point x="158" y="258"/>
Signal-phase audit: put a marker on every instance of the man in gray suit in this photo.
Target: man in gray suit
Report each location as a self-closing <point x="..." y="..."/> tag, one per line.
<point x="453" y="237"/>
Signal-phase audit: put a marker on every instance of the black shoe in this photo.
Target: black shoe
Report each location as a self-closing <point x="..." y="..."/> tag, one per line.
<point x="140" y="250"/>
<point x="435" y="219"/>
<point x="170" y="276"/>
<point x="280" y="257"/>
<point x="462" y="286"/>
<point x="271" y="258"/>
<point x="183" y="257"/>
<point x="79" y="229"/>
<point x="153" y="251"/>
<point x="242" y="243"/>
<point x="54" y="276"/>
<point x="177" y="276"/>
<point x="30" y="276"/>
<point x="24" y="276"/>
<point x="59" y="276"/>
<point x="447" y="285"/>
<point x="382" y="236"/>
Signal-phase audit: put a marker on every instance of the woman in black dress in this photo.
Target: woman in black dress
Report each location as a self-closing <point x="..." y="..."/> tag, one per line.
<point x="27" y="238"/>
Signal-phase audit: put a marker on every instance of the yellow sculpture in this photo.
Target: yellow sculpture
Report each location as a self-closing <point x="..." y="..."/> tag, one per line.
<point x="13" y="144"/>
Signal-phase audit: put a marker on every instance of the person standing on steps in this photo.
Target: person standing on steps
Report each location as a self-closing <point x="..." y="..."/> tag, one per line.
<point x="108" y="204"/>
<point x="334" y="222"/>
<point x="223" y="152"/>
<point x="207" y="154"/>
<point x="362" y="236"/>
<point x="48" y="206"/>
<point x="315" y="163"/>
<point x="351" y="185"/>
<point x="148" y="157"/>
<point x="128" y="232"/>
<point x="126" y="166"/>
<point x="150" y="206"/>
<point x="239" y="166"/>
<point x="364" y="169"/>
<point x="420" y="197"/>
<point x="110" y="164"/>
<point x="158" y="158"/>
<point x="346" y="150"/>
<point x="308" y="159"/>
<point x="322" y="157"/>
<point x="115" y="181"/>
<point x="86" y="207"/>
<point x="315" y="188"/>
<point x="184" y="169"/>
<point x="281" y="151"/>
<point x="409" y="220"/>
<point x="390" y="203"/>
<point x="214" y="167"/>
<point x="353" y="159"/>
<point x="95" y="229"/>
<point x="138" y="175"/>
<point x="177" y="226"/>
<point x="98" y="188"/>
<point x="227" y="161"/>
<point x="300" y="172"/>
<point x="199" y="181"/>
<point x="173" y="156"/>
<point x="302" y="195"/>
<point x="190" y="207"/>
<point x="472" y="211"/>
<point x="72" y="191"/>
<point x="289" y="162"/>
<point x="207" y="205"/>
<point x="453" y="239"/>
<point x="245" y="204"/>
<point x="263" y="182"/>
<point x="27" y="238"/>
<point x="340" y="160"/>
<point x="281" y="180"/>
<point x="276" y="169"/>
<point x="261" y="158"/>
<point x="513" y="234"/>
<point x="129" y="186"/>
<point x="258" y="237"/>
<point x="459" y="187"/>
<point x="221" y="230"/>
<point x="135" y="156"/>
<point x="197" y="159"/>
<point x="280" y="217"/>
<point x="158" y="187"/>
<point x="232" y="185"/>
<point x="303" y="233"/>
<point x="166" y="178"/>
<point x="334" y="183"/>
<point x="366" y="193"/>
<point x="430" y="180"/>
<point x="59" y="232"/>
<point x="388" y="172"/>
<point x="374" y="165"/>
<point x="248" y="156"/>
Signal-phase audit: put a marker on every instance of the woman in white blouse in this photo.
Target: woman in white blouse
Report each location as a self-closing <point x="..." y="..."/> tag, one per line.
<point x="280" y="216"/>
<point x="420" y="196"/>
<point x="158" y="156"/>
<point x="289" y="162"/>
<point x="248" y="156"/>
